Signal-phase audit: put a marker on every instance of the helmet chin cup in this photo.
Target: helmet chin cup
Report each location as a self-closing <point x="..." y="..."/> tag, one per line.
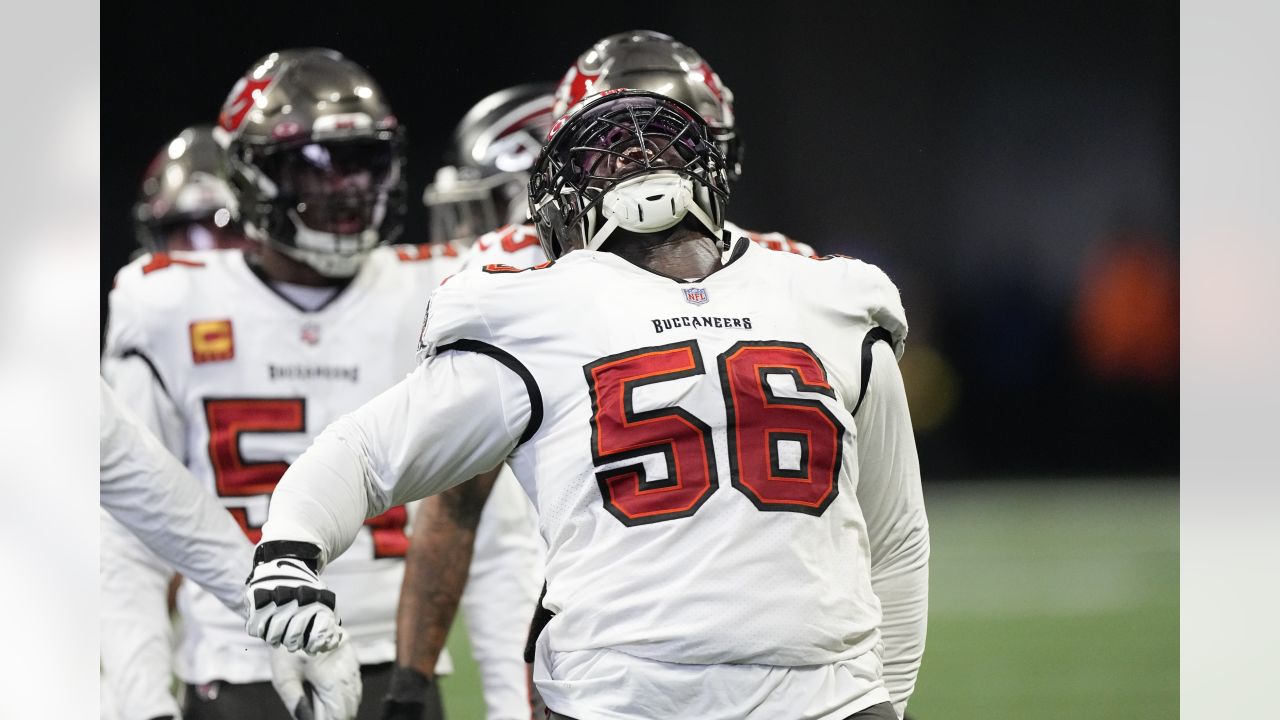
<point x="647" y="204"/>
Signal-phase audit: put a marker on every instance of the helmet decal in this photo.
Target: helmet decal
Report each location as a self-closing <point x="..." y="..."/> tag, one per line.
<point x="242" y="98"/>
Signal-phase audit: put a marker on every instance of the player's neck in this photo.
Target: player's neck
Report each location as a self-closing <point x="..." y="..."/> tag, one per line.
<point x="686" y="253"/>
<point x="279" y="267"/>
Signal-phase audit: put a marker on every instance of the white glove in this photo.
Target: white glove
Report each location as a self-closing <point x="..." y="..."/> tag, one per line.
<point x="334" y="678"/>
<point x="288" y="604"/>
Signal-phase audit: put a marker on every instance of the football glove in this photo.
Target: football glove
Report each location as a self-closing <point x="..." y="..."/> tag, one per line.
<point x="334" y="678"/>
<point x="288" y="604"/>
<point x="408" y="695"/>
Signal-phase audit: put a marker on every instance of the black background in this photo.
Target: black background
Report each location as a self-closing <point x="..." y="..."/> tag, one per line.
<point x="975" y="153"/>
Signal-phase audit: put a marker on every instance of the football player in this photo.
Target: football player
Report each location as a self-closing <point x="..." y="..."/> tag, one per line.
<point x="238" y="359"/>
<point x="491" y="157"/>
<point x="716" y="438"/>
<point x="483" y="184"/>
<point x="185" y="202"/>
<point x="147" y="490"/>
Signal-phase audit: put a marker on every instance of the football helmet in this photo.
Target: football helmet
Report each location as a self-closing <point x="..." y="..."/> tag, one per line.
<point x="486" y="176"/>
<point x="185" y="202"/>
<point x="316" y="158"/>
<point x="647" y="60"/>
<point x="629" y="159"/>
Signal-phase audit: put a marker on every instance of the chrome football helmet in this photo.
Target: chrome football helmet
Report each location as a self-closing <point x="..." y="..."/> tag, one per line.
<point x="316" y="158"/>
<point x="485" y="179"/>
<point x="647" y="60"/>
<point x="185" y="202"/>
<point x="629" y="159"/>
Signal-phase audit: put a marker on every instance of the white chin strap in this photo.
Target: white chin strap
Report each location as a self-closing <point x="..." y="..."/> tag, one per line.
<point x="649" y="203"/>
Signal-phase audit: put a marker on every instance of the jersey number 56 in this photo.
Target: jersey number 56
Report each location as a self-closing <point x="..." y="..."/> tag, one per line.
<point x="784" y="452"/>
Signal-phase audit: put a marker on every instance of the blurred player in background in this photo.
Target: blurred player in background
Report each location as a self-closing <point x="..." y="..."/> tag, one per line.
<point x="716" y="437"/>
<point x="149" y="491"/>
<point x="483" y="183"/>
<point x="237" y="359"/>
<point x="185" y="202"/>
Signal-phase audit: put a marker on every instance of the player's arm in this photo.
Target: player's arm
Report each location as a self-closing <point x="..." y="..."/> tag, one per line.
<point x="475" y="543"/>
<point x="136" y="652"/>
<point x="892" y="502"/>
<point x="435" y="573"/>
<point x="457" y="415"/>
<point x="148" y="491"/>
<point x="135" y="644"/>
<point x="506" y="573"/>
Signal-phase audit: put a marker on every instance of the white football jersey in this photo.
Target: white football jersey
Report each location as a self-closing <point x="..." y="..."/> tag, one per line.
<point x="692" y="451"/>
<point x="253" y="379"/>
<point x="631" y="462"/>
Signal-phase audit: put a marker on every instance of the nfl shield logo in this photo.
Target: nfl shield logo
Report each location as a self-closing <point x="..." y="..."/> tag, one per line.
<point x="695" y="296"/>
<point x="310" y="333"/>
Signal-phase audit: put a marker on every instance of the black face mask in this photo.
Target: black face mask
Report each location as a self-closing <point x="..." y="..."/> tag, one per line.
<point x="335" y="186"/>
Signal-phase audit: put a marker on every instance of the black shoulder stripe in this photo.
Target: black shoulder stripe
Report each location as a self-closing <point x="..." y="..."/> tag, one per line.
<point x="874" y="335"/>
<point x="515" y="366"/>
<point x="134" y="352"/>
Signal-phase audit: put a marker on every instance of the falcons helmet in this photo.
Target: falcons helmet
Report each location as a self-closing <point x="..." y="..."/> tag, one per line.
<point x="486" y="175"/>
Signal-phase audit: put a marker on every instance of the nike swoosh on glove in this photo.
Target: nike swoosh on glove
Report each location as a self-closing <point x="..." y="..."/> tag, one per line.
<point x="334" y="677"/>
<point x="289" y="606"/>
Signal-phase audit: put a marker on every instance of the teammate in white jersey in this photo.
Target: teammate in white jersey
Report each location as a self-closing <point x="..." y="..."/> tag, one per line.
<point x="184" y="203"/>
<point x="147" y="490"/>
<point x="237" y="360"/>
<point x="716" y="439"/>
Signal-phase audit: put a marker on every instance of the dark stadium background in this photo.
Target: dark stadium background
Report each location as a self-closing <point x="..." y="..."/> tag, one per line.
<point x="1014" y="167"/>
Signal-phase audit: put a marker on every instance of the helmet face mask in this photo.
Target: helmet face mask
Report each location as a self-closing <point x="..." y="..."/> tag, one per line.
<point x="627" y="159"/>
<point x="316" y="159"/>
<point x="646" y="60"/>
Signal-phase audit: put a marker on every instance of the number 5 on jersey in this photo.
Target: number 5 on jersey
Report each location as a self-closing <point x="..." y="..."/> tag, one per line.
<point x="784" y="453"/>
<point x="230" y="418"/>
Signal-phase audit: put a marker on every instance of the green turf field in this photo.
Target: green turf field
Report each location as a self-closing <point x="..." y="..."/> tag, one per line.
<point x="1047" y="602"/>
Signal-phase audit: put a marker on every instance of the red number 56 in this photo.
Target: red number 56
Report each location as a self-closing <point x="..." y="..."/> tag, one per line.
<point x="784" y="453"/>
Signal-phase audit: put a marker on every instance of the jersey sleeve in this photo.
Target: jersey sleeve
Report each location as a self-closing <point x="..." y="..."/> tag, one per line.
<point x="459" y="414"/>
<point x="137" y="662"/>
<point x="892" y="503"/>
<point x="148" y="491"/>
<point x="875" y="294"/>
